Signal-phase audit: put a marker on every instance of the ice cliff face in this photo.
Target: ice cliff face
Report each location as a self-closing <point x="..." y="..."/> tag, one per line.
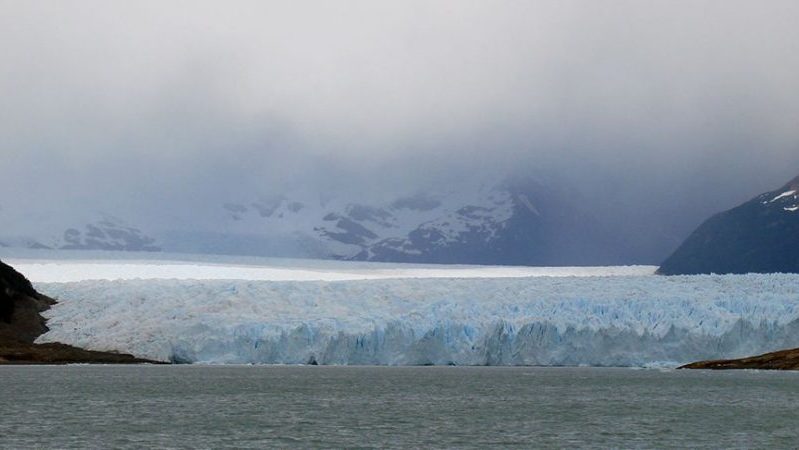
<point x="618" y="321"/>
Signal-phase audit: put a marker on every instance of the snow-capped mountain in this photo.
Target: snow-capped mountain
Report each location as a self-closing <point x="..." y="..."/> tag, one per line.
<point x="92" y="232"/>
<point x="512" y="222"/>
<point x="761" y="235"/>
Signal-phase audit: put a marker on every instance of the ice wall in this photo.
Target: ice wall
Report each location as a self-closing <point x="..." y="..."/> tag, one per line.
<point x="618" y="321"/>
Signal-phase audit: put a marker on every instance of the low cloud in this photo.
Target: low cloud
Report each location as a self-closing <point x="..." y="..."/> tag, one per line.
<point x="686" y="107"/>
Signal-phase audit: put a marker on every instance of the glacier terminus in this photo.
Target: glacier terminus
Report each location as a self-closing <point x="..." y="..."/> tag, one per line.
<point x="345" y="313"/>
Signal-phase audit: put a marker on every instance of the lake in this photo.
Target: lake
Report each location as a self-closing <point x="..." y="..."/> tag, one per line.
<point x="430" y="407"/>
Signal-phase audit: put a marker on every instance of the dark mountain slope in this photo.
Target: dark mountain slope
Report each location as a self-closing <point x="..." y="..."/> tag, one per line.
<point x="20" y="306"/>
<point x="761" y="236"/>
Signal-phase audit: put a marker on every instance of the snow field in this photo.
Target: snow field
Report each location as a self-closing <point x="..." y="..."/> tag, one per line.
<point x="291" y="270"/>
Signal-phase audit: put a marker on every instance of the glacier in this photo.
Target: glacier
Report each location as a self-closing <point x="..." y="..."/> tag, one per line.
<point x="175" y="266"/>
<point x="635" y="320"/>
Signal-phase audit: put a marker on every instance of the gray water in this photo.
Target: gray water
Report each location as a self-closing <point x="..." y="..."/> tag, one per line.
<point x="461" y="407"/>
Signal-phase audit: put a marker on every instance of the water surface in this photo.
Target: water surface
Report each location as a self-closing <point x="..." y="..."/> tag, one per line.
<point x="463" y="407"/>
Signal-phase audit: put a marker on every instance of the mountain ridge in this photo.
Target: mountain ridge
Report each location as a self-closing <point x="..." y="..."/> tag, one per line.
<point x="760" y="235"/>
<point x="505" y="221"/>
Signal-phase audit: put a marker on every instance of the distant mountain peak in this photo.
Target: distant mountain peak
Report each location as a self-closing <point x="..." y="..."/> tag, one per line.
<point x="518" y="220"/>
<point x="480" y="220"/>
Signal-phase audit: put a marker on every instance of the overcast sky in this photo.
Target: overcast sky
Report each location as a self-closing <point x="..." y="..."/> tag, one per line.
<point x="690" y="105"/>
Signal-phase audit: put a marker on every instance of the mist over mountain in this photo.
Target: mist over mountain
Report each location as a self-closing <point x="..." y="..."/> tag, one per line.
<point x="139" y="126"/>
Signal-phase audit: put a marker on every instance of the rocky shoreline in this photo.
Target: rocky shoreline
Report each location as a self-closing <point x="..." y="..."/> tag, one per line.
<point x="780" y="360"/>
<point x="56" y="353"/>
<point x="21" y="323"/>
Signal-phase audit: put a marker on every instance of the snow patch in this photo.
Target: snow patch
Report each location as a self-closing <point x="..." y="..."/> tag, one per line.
<point x="783" y="195"/>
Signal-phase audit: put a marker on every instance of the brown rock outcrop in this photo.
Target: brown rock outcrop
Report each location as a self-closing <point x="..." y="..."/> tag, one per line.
<point x="781" y="360"/>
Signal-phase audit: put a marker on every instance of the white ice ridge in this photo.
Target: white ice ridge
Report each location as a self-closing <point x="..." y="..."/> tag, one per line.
<point x="52" y="271"/>
<point x="605" y="321"/>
